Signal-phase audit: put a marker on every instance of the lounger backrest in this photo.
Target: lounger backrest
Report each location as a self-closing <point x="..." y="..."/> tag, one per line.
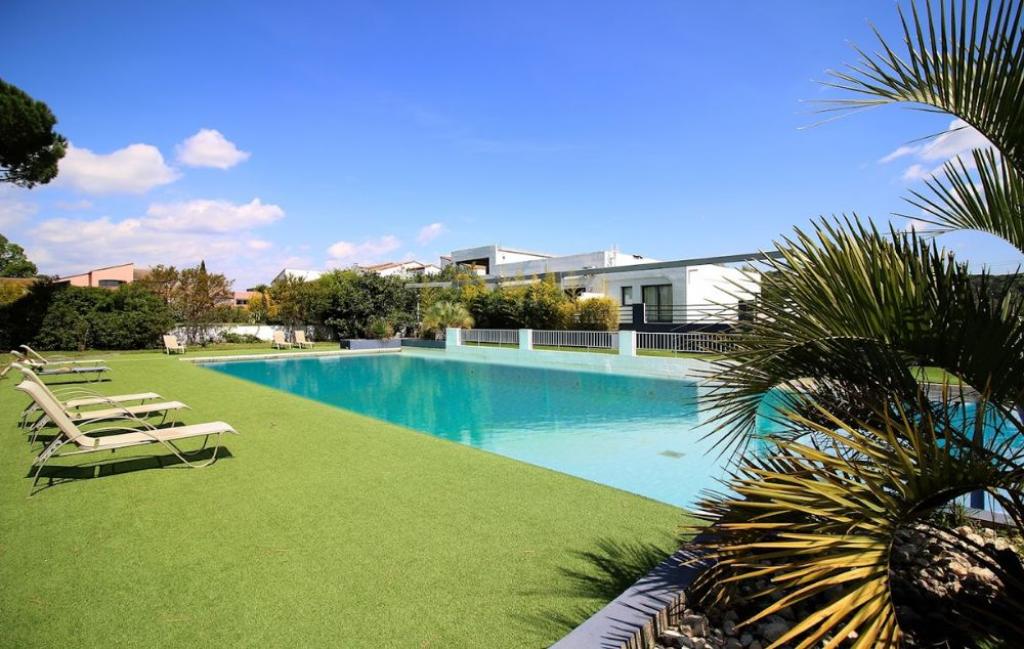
<point x="170" y="341"/>
<point x="32" y="376"/>
<point x="34" y="354"/>
<point x="279" y="337"/>
<point x="53" y="411"/>
<point x="300" y="336"/>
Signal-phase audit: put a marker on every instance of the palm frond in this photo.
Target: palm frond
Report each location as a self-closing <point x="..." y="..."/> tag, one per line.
<point x="848" y="313"/>
<point x="819" y="521"/>
<point x="962" y="58"/>
<point x="993" y="203"/>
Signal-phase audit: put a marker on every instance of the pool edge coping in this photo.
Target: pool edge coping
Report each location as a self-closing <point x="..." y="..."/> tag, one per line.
<point x="281" y="355"/>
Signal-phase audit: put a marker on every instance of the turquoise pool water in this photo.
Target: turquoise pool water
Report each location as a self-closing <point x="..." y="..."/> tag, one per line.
<point x="637" y="434"/>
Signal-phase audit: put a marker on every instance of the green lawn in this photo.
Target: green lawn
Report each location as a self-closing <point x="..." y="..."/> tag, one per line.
<point x="321" y="528"/>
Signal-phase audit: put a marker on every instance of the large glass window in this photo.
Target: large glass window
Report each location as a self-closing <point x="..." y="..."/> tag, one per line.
<point x="658" y="299"/>
<point x="627" y="295"/>
<point x="110" y="283"/>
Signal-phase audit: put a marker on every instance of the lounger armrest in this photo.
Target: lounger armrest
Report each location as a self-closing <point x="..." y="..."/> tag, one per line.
<point x="125" y="416"/>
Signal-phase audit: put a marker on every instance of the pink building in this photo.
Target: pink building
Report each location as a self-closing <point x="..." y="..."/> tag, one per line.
<point x="108" y="277"/>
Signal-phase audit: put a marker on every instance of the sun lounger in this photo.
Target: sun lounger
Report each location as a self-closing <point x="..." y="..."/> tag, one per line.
<point x="279" y="341"/>
<point x="74" y="398"/>
<point x="171" y="345"/>
<point x="36" y="358"/>
<point x="122" y="432"/>
<point x="113" y="409"/>
<point x="43" y="369"/>
<point x="300" y="339"/>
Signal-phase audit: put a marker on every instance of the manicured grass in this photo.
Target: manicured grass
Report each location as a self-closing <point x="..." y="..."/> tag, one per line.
<point x="321" y="528"/>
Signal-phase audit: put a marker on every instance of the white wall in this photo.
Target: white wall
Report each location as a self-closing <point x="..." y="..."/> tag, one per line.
<point x="263" y="332"/>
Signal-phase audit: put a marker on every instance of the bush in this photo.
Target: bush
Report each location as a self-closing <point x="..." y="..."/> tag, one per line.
<point x="232" y="337"/>
<point x="596" y="314"/>
<point x="57" y="316"/>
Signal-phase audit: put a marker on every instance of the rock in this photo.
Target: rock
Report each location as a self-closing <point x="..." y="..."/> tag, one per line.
<point x="731" y="616"/>
<point x="699" y="643"/>
<point x="982" y="574"/>
<point x="754" y="645"/>
<point x="746" y="639"/>
<point x="773" y="630"/>
<point x="733" y="643"/>
<point x="729" y="628"/>
<point x="698" y="624"/>
<point x="958" y="569"/>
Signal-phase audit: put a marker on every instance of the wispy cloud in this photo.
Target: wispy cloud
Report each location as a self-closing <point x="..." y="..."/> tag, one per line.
<point x="13" y="209"/>
<point x="928" y="157"/>
<point x="173" y="233"/>
<point x="344" y="253"/>
<point x="429" y="232"/>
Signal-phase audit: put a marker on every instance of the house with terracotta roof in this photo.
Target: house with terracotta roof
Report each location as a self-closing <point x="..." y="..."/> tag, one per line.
<point x="106" y="277"/>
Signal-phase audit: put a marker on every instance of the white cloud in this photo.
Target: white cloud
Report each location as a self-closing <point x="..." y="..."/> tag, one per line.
<point x="73" y="205"/>
<point x="429" y="232"/>
<point x="13" y="210"/>
<point x="957" y="140"/>
<point x="343" y="253"/>
<point x="202" y="215"/>
<point x="135" y="169"/>
<point x="209" y="148"/>
<point x="171" y="234"/>
<point x="917" y="172"/>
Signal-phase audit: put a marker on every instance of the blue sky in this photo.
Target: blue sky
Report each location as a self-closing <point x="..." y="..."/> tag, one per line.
<point x="258" y="135"/>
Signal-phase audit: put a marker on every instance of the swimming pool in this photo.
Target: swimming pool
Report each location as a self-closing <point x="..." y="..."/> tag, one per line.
<point x="633" y="433"/>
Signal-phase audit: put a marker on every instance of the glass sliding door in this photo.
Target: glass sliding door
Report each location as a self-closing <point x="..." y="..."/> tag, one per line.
<point x="658" y="299"/>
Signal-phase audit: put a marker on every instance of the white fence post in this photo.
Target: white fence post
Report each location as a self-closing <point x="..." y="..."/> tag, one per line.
<point x="526" y="339"/>
<point x="627" y="342"/>
<point x="452" y="337"/>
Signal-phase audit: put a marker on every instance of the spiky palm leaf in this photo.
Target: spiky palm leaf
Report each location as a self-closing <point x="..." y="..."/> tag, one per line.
<point x="818" y="520"/>
<point x="968" y="63"/>
<point x="849" y="313"/>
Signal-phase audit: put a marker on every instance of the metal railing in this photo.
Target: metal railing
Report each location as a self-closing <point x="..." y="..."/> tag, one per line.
<point x="681" y="314"/>
<point x="581" y="339"/>
<point x="693" y="343"/>
<point x="490" y="336"/>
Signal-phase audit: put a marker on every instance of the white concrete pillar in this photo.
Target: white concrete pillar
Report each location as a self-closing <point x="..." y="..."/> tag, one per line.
<point x="526" y="339"/>
<point x="452" y="337"/>
<point x="627" y="343"/>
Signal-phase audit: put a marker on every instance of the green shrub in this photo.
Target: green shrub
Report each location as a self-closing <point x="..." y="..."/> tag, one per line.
<point x="57" y="316"/>
<point x="596" y="314"/>
<point x="379" y="328"/>
<point x="232" y="337"/>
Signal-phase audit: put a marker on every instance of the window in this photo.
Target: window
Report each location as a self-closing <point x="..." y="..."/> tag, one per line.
<point x="627" y="296"/>
<point x="110" y="283"/>
<point x="658" y="299"/>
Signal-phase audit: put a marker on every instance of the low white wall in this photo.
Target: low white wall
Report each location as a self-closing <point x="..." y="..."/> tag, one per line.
<point x="262" y="331"/>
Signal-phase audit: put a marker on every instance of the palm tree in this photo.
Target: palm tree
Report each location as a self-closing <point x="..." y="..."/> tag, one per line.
<point x="443" y="314"/>
<point x="847" y="319"/>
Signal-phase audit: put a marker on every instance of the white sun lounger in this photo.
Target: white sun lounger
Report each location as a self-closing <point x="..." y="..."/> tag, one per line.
<point x="74" y="398"/>
<point x="123" y="432"/>
<point x="112" y="411"/>
<point x="279" y="341"/>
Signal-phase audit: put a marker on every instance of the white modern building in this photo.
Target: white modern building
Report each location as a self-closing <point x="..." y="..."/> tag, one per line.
<point x="403" y="269"/>
<point x="699" y="291"/>
<point x="297" y="273"/>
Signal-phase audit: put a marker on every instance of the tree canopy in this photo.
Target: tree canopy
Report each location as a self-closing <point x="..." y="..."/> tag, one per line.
<point x="29" y="147"/>
<point x="13" y="262"/>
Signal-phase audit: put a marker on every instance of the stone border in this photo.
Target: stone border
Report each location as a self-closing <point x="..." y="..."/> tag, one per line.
<point x="278" y="356"/>
<point x="634" y="619"/>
